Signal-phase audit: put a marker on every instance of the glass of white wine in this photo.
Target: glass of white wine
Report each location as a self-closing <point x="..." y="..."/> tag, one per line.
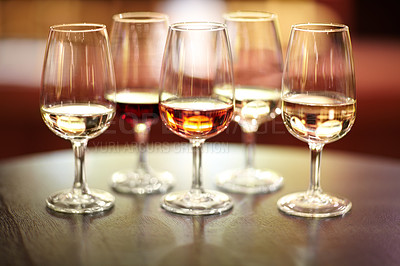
<point x="137" y="45"/>
<point x="318" y="106"/>
<point x="196" y="103"/>
<point x="258" y="66"/>
<point x="77" y="80"/>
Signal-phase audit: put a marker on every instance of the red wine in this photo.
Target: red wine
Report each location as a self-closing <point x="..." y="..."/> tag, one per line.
<point x="193" y="118"/>
<point x="137" y="107"/>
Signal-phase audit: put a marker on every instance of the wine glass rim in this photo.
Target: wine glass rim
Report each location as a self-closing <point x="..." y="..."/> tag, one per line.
<point x="78" y="27"/>
<point x="249" y="16"/>
<point x="320" y="27"/>
<point x="198" y="26"/>
<point x="143" y="17"/>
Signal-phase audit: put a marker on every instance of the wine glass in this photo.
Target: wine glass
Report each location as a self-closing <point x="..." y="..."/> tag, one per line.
<point x="318" y="106"/>
<point x="137" y="44"/>
<point x="78" y="77"/>
<point x="197" y="103"/>
<point x="258" y="67"/>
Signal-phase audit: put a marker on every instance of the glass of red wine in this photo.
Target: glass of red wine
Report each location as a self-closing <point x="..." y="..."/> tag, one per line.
<point x="137" y="44"/>
<point x="197" y="103"/>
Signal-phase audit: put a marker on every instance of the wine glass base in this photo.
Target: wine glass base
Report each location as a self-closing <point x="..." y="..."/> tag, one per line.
<point x="197" y="203"/>
<point x="135" y="182"/>
<point x="68" y="202"/>
<point x="319" y="205"/>
<point x="249" y="181"/>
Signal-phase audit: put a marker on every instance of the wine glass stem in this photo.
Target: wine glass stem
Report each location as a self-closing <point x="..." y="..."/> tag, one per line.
<point x="142" y="135"/>
<point x="80" y="186"/>
<point x="249" y="139"/>
<point x="315" y="186"/>
<point x="197" y="186"/>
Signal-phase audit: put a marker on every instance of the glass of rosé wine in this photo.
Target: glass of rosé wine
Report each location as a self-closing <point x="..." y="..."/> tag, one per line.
<point x="197" y="103"/>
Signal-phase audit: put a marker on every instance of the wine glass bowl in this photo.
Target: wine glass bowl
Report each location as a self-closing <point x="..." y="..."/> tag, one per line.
<point x="320" y="117"/>
<point x="318" y="106"/>
<point x="137" y="43"/>
<point x="205" y="118"/>
<point x="197" y="103"/>
<point x="77" y="79"/>
<point x="258" y="67"/>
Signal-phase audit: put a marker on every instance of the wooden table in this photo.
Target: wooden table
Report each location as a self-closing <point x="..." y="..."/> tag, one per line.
<point x="138" y="232"/>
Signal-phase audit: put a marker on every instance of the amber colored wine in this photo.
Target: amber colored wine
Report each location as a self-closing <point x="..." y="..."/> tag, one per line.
<point x="196" y="118"/>
<point x="318" y="117"/>
<point x="137" y="106"/>
<point x="77" y="121"/>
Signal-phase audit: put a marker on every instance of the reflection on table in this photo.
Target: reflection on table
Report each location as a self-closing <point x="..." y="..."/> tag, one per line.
<point x="138" y="232"/>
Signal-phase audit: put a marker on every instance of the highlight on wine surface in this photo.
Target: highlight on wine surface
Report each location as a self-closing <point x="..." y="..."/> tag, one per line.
<point x="319" y="106"/>
<point x="77" y="81"/>
<point x="197" y="103"/>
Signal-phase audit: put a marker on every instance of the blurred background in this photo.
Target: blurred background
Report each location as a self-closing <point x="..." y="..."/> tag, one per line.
<point x="24" y="26"/>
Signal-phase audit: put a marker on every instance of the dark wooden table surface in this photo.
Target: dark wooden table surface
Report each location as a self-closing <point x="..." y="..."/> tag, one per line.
<point x="138" y="232"/>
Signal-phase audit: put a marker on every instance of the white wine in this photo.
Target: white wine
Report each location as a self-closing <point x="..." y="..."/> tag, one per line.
<point x="77" y="121"/>
<point x="319" y="118"/>
<point x="256" y="104"/>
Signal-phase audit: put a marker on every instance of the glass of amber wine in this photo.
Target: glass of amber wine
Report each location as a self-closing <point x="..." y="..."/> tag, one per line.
<point x="137" y="44"/>
<point x="197" y="103"/>
<point x="318" y="106"/>
<point x="77" y="80"/>
<point x="258" y="66"/>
